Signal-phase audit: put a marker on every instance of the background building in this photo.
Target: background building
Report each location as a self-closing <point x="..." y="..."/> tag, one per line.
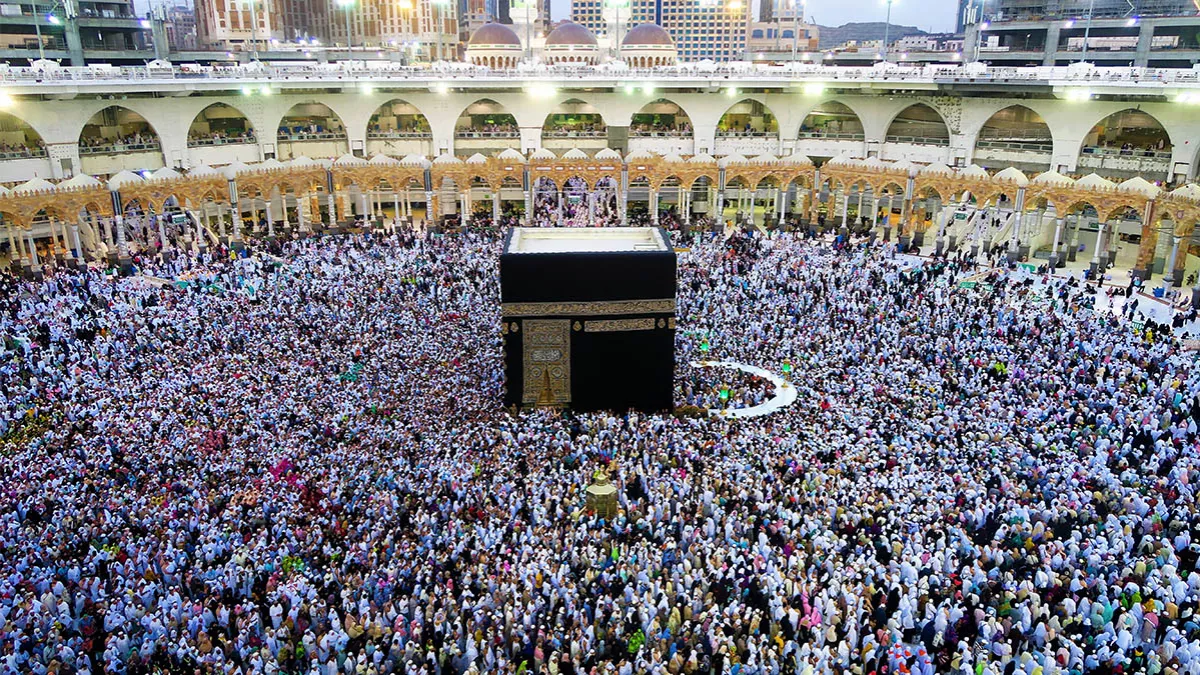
<point x="1151" y="33"/>
<point x="238" y="25"/>
<point x="429" y="29"/>
<point x="107" y="31"/>
<point x="775" y="40"/>
<point x="700" y="30"/>
<point x="181" y="27"/>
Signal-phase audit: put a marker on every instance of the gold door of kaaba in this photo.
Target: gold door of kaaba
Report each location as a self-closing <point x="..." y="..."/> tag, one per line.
<point x="547" y="362"/>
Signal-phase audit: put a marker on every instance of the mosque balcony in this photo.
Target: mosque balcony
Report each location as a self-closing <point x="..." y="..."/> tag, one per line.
<point x="233" y="140"/>
<point x="119" y="148"/>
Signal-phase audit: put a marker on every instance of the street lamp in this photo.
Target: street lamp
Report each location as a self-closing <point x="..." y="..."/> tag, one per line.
<point x="348" y="5"/>
<point x="50" y="19"/>
<point x="253" y="31"/>
<point x="733" y="6"/>
<point x="439" y="18"/>
<point x="887" y="25"/>
<point x="796" y="26"/>
<point x="617" y="4"/>
<point x="1087" y="30"/>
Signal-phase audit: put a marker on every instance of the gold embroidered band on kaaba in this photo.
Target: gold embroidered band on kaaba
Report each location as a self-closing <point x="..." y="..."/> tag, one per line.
<point x="619" y="325"/>
<point x="604" y="308"/>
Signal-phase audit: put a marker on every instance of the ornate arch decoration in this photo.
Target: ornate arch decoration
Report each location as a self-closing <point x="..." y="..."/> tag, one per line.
<point x="590" y="170"/>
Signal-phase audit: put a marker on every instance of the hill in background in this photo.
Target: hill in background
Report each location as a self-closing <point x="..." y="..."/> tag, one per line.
<point x="832" y="36"/>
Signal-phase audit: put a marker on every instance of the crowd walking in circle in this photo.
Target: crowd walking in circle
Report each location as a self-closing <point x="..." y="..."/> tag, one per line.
<point x="294" y="460"/>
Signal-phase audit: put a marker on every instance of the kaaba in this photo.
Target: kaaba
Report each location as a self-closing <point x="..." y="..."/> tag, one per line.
<point x="589" y="318"/>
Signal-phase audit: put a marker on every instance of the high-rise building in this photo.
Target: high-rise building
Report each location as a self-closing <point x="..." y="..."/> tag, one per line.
<point x="590" y="15"/>
<point x="701" y="30"/>
<point x="238" y="25"/>
<point x="1144" y="33"/>
<point x="428" y="29"/>
<point x="181" y="28"/>
<point x="114" y="33"/>
<point x="960" y="20"/>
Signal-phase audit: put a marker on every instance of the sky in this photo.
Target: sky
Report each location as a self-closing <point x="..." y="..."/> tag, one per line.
<point x="935" y="16"/>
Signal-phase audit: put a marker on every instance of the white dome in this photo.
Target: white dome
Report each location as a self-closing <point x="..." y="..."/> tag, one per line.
<point x="1052" y="178"/>
<point x="444" y="159"/>
<point x="639" y="155"/>
<point x="202" y="170"/>
<point x="165" y="173"/>
<point x="673" y="158"/>
<point x="349" y="160"/>
<point x="121" y="179"/>
<point x="232" y="169"/>
<point x="414" y="160"/>
<point x="542" y="154"/>
<point x="1141" y="186"/>
<point x="1094" y="181"/>
<point x="270" y="164"/>
<point x="702" y="158"/>
<point x="477" y="159"/>
<point x="80" y="181"/>
<point x="511" y="155"/>
<point x="936" y="169"/>
<point x="40" y="185"/>
<point x="974" y="171"/>
<point x="1014" y="175"/>
<point x="1189" y="191"/>
<point x="575" y="154"/>
<point x="609" y="154"/>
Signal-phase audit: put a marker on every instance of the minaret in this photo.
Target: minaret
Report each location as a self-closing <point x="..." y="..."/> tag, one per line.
<point x="616" y="25"/>
<point x="526" y="23"/>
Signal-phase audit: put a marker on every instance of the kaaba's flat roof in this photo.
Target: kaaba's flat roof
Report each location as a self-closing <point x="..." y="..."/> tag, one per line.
<point x="585" y="240"/>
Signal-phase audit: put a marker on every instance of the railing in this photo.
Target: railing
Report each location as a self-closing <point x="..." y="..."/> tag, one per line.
<point x="994" y="134"/>
<point x="565" y="133"/>
<point x="316" y="136"/>
<point x="118" y="148"/>
<point x="487" y="134"/>
<point x="235" y="140"/>
<point x="831" y="136"/>
<point x="1017" y="145"/>
<point x="918" y="140"/>
<point x="713" y="74"/>
<point x="738" y="133"/>
<point x="23" y="154"/>
<point x="1118" y="152"/>
<point x="672" y="133"/>
<point x="378" y="135"/>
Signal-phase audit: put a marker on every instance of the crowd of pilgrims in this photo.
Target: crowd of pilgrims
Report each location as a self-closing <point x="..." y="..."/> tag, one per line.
<point x="296" y="461"/>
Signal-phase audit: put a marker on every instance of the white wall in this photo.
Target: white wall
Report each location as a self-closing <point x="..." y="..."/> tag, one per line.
<point x="59" y="123"/>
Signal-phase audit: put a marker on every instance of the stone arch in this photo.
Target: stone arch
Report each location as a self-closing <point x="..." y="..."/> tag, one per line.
<point x="1128" y="142"/>
<point x="651" y="120"/>
<point x="19" y="138"/>
<point x="1012" y="132"/>
<point x="474" y="119"/>
<point x="768" y="126"/>
<point x="117" y="126"/>
<point x="418" y="123"/>
<point x="921" y="122"/>
<point x="202" y="127"/>
<point x="317" y="126"/>
<point x="1097" y="131"/>
<point x="574" y="117"/>
<point x="835" y="113"/>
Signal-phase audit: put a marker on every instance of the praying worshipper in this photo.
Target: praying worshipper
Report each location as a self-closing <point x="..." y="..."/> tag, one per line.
<point x="295" y="460"/>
